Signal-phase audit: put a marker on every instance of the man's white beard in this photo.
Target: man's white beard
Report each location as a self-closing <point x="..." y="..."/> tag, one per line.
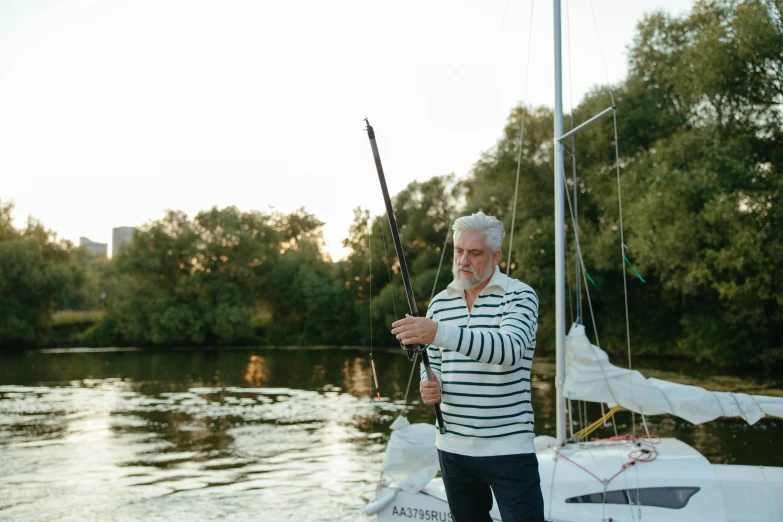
<point x="463" y="283"/>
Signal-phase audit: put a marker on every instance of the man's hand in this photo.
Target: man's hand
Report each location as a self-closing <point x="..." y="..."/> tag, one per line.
<point x="415" y="330"/>
<point x="430" y="391"/>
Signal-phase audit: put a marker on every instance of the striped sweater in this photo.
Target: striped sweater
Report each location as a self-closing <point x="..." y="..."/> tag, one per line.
<point x="482" y="358"/>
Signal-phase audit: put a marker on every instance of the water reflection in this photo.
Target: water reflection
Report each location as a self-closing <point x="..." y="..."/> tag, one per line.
<point x="356" y="379"/>
<point x="257" y="372"/>
<point x="292" y="434"/>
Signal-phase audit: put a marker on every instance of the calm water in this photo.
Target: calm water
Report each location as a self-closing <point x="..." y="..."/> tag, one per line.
<point x="270" y="435"/>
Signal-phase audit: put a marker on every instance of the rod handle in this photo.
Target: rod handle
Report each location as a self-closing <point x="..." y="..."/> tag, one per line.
<point x="438" y="414"/>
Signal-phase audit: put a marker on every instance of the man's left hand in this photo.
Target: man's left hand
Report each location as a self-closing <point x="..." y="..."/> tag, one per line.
<point x="415" y="330"/>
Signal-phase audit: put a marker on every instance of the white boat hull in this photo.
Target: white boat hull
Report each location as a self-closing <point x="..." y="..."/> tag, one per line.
<point x="571" y="483"/>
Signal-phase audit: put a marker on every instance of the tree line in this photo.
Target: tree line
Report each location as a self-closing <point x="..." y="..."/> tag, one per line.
<point x="701" y="163"/>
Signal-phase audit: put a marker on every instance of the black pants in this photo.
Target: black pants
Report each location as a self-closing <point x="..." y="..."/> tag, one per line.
<point x="513" y="478"/>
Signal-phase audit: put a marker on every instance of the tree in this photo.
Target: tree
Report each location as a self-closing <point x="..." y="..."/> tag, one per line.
<point x="424" y="211"/>
<point x="33" y="270"/>
<point x="701" y="153"/>
<point x="203" y="281"/>
<point x="194" y="282"/>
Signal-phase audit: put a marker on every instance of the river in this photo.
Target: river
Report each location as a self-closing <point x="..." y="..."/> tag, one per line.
<point x="265" y="434"/>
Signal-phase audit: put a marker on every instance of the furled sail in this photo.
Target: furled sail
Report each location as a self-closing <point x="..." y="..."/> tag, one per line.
<point x="591" y="377"/>
<point x="411" y="459"/>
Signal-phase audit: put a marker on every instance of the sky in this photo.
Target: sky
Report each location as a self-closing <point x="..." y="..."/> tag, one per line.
<point x="112" y="112"/>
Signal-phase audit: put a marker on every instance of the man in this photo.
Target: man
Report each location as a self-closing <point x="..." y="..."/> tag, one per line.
<point x="481" y="333"/>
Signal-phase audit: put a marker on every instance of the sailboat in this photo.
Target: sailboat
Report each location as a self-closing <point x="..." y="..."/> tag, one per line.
<point x="620" y="479"/>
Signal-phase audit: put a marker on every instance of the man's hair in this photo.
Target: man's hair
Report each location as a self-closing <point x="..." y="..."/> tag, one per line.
<point x="487" y="225"/>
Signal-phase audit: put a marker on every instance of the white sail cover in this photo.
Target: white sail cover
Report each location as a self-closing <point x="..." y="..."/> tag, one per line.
<point x="591" y="377"/>
<point x="411" y="458"/>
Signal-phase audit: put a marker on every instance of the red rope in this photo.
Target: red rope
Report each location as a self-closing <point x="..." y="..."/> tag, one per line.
<point x="560" y="455"/>
<point x="638" y="455"/>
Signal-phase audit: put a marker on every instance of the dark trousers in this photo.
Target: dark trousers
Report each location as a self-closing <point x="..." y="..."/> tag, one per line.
<point x="513" y="478"/>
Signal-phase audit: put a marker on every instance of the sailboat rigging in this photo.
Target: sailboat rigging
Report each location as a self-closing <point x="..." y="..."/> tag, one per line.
<point x="590" y="481"/>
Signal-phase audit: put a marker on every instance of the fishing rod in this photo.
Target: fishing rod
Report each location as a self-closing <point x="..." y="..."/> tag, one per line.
<point x="411" y="350"/>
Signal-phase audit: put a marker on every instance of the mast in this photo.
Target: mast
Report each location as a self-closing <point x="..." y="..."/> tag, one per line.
<point x="559" y="236"/>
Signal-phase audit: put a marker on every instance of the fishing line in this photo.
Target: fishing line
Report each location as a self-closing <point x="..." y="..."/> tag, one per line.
<point x="432" y="295"/>
<point x="372" y="362"/>
<point x="388" y="269"/>
<point x="410" y="350"/>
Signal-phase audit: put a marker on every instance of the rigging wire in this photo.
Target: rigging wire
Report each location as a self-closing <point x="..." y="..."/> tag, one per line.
<point x="620" y="205"/>
<point x="623" y="257"/>
<point x="568" y="292"/>
<point x="578" y="302"/>
<point x="578" y="250"/>
<point x="585" y="277"/>
<point x="521" y="142"/>
<point x="600" y="46"/>
<point x="505" y="12"/>
<point x="584" y="405"/>
<point x="440" y="263"/>
<point x="635" y="456"/>
<point x="570" y="419"/>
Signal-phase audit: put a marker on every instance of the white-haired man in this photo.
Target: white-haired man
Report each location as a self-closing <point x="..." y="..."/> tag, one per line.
<point x="481" y="335"/>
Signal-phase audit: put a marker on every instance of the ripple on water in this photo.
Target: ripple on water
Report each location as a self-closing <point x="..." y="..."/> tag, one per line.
<point x="167" y="442"/>
<point x="203" y="454"/>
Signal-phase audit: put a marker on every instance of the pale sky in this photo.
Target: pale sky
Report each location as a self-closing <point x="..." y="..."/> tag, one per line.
<point x="113" y="111"/>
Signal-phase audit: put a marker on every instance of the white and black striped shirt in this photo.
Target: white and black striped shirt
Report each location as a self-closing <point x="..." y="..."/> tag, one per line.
<point x="482" y="358"/>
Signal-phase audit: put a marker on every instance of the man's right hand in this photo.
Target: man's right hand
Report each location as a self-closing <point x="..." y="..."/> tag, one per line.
<point x="430" y="391"/>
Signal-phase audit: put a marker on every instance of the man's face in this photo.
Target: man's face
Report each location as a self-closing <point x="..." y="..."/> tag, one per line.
<point x="473" y="263"/>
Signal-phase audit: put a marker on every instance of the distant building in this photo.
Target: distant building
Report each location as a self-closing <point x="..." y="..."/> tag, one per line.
<point x="119" y="237"/>
<point x="98" y="249"/>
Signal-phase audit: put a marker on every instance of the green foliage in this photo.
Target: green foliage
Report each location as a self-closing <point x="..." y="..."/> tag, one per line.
<point x="33" y="271"/>
<point x="201" y="281"/>
<point x="423" y="211"/>
<point x="310" y="303"/>
<point x="700" y="128"/>
<point x="99" y="334"/>
<point x="700" y="142"/>
<point x="701" y="159"/>
<point x="192" y="282"/>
